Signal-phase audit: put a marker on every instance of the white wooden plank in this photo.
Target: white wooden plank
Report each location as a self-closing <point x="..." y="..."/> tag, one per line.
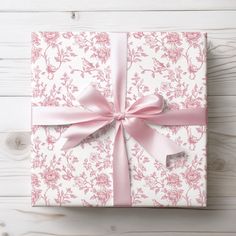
<point x="117" y="21"/>
<point x="15" y="113"/>
<point x="113" y="5"/>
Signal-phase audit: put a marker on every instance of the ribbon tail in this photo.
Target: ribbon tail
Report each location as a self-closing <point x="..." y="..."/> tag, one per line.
<point x="157" y="145"/>
<point x="121" y="178"/>
<point x="77" y="132"/>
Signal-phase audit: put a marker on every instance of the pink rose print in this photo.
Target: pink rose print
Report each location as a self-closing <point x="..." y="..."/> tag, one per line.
<point x="35" y="39"/>
<point x="50" y="140"/>
<point x="103" y="196"/>
<point x="192" y="177"/>
<point x="138" y="35"/>
<point x="50" y="176"/>
<point x="102" y="54"/>
<point x="173" y="38"/>
<point x="35" y="54"/>
<point x="35" y="195"/>
<point x="174" y="196"/>
<point x="102" y="180"/>
<point x="35" y="180"/>
<point x="173" y="180"/>
<point x="51" y="69"/>
<point x="102" y="38"/>
<point x="174" y="54"/>
<point x="192" y="37"/>
<point x="192" y="69"/>
<point x="50" y="37"/>
<point x="67" y="35"/>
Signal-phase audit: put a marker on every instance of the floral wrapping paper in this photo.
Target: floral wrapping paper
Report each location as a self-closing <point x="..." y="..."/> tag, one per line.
<point x="168" y="63"/>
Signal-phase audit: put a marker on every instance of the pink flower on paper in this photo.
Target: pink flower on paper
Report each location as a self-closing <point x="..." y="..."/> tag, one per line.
<point x="174" y="196"/>
<point x="102" y="38"/>
<point x="51" y="69"/>
<point x="173" y="38"/>
<point x="103" y="196"/>
<point x="35" y="180"/>
<point x="151" y="41"/>
<point x="51" y="37"/>
<point x="192" y="68"/>
<point x="102" y="180"/>
<point x="192" y="37"/>
<point x="35" y="195"/>
<point x="192" y="176"/>
<point x="67" y="35"/>
<point x="192" y="102"/>
<point x="102" y="54"/>
<point x="165" y="86"/>
<point x="50" y="141"/>
<point x="179" y="91"/>
<point x="192" y="139"/>
<point x="50" y="101"/>
<point x="50" y="176"/>
<point x="35" y="39"/>
<point x="81" y="40"/>
<point x="87" y="66"/>
<point x="174" y="54"/>
<point x="138" y="35"/>
<point x="173" y="180"/>
<point x="35" y="54"/>
<point x="36" y="163"/>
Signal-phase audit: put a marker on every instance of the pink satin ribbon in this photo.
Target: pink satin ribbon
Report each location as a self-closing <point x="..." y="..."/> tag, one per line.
<point x="98" y="113"/>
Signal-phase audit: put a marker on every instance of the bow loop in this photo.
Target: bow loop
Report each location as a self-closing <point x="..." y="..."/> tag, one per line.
<point x="147" y="106"/>
<point x="91" y="94"/>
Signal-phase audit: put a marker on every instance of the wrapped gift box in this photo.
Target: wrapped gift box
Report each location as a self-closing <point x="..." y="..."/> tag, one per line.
<point x="167" y="63"/>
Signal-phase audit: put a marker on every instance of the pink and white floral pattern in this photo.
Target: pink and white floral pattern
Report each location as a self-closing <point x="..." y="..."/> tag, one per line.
<point x="168" y="63"/>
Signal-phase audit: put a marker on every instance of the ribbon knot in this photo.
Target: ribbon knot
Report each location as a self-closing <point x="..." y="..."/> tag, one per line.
<point x="97" y="113"/>
<point x="119" y="116"/>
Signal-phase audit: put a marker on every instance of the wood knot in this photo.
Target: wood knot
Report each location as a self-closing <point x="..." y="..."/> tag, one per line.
<point x="74" y="15"/>
<point x="17" y="145"/>
<point x="17" y="141"/>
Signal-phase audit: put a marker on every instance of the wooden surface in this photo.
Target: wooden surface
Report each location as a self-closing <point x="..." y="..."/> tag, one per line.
<point x="19" y="18"/>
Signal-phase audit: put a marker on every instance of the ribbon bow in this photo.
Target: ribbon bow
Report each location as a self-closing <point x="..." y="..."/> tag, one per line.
<point x="98" y="112"/>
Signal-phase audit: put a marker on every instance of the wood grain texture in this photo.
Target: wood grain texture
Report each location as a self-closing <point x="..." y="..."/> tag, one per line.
<point x="113" y="5"/>
<point x="19" y="18"/>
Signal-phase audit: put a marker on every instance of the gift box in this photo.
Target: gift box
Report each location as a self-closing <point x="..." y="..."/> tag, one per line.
<point x="119" y="119"/>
